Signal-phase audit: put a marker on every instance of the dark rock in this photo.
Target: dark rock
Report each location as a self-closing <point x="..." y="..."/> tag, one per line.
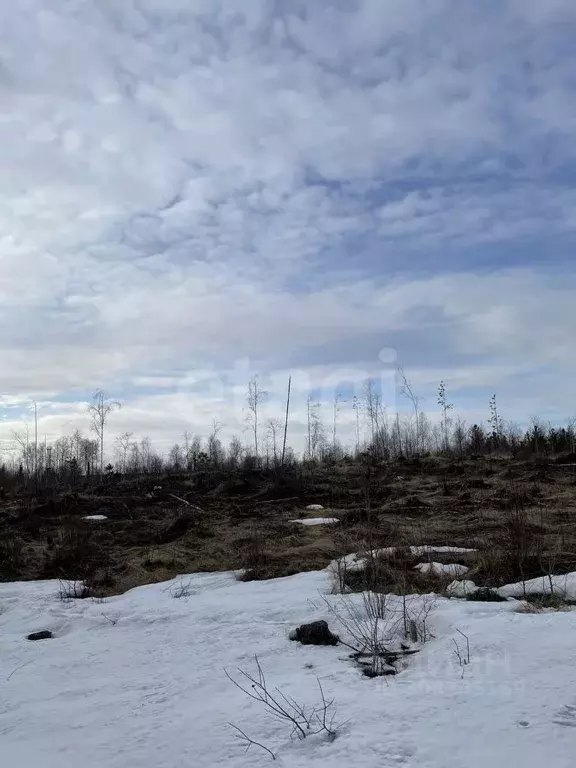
<point x="316" y="633"/>
<point x="44" y="635"/>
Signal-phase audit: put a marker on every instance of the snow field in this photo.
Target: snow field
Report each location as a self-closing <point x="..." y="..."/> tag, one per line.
<point x="137" y="681"/>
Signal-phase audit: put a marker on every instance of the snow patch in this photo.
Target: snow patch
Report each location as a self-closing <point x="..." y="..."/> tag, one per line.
<point x="442" y="569"/>
<point x="357" y="561"/>
<point x="562" y="585"/>
<point x="95" y="517"/>
<point x="314" y="507"/>
<point x="316" y="521"/>
<point x="429" y="549"/>
<point x="461" y="588"/>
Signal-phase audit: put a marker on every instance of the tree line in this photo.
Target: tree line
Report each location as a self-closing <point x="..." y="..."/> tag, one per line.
<point x="376" y="433"/>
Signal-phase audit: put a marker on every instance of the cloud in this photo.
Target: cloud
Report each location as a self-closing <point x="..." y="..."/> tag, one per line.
<point x="186" y="185"/>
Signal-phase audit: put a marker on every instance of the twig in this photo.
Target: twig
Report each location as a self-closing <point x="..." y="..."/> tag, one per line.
<point x="467" y="645"/>
<point x="305" y="721"/>
<point x="463" y="662"/>
<point x="19" y="668"/>
<point x="250" y="741"/>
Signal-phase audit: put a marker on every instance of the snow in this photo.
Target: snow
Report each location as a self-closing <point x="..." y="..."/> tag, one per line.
<point x="562" y="585"/>
<point x="357" y="562"/>
<point x="316" y="521"/>
<point x="95" y="517"/>
<point x="314" y="507"/>
<point x="442" y="569"/>
<point x="431" y="548"/>
<point x="137" y="681"/>
<point x="426" y="549"/>
<point x="461" y="588"/>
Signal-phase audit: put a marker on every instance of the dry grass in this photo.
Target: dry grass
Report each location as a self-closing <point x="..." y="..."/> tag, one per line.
<point x="520" y="516"/>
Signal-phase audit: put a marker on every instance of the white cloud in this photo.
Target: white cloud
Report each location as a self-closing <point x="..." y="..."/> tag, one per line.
<point x="183" y="185"/>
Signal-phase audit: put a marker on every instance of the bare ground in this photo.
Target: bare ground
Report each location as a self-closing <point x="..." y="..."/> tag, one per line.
<point x="521" y="516"/>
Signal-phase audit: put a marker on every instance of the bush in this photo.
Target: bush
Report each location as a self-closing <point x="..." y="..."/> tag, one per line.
<point x="378" y="629"/>
<point x="548" y="601"/>
<point x="73" y="590"/>
<point x="302" y="721"/>
<point x="12" y="557"/>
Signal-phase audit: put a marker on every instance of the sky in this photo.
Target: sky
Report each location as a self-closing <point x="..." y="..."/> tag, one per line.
<point x="193" y="192"/>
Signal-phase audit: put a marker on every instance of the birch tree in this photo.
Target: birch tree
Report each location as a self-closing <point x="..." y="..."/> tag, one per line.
<point x="255" y="396"/>
<point x="99" y="411"/>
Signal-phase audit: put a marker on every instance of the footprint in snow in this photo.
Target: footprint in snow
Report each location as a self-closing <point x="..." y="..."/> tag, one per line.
<point x="566" y="716"/>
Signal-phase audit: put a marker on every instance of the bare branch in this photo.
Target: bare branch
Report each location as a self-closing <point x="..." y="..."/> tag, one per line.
<point x="250" y="741"/>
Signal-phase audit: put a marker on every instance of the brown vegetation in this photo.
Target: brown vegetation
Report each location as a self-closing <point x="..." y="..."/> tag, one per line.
<point x="520" y="515"/>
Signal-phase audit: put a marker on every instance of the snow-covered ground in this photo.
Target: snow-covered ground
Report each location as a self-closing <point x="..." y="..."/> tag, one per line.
<point x="316" y="520"/>
<point x="357" y="561"/>
<point x="442" y="569"/>
<point x="138" y="681"/>
<point x="563" y="585"/>
<point x="95" y="517"/>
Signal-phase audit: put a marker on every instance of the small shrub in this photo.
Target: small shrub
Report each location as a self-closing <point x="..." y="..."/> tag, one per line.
<point x="301" y="720"/>
<point x="553" y="601"/>
<point x="74" y="555"/>
<point x="73" y="590"/>
<point x="255" y="560"/>
<point x="182" y="590"/>
<point x="12" y="557"/>
<point x="377" y="630"/>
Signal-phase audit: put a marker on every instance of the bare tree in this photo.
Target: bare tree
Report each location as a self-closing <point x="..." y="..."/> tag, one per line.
<point x="371" y="401"/>
<point x="23" y="440"/>
<point x="286" y="420"/>
<point x="235" y="451"/>
<point x="123" y="445"/>
<point x="192" y="448"/>
<point x="338" y="398"/>
<point x="255" y="396"/>
<point x="459" y="434"/>
<point x="273" y="427"/>
<point x="146" y="454"/>
<point x="356" y="406"/>
<point x="408" y="392"/>
<point x="89" y="455"/>
<point x="495" y="422"/>
<point x="176" y="458"/>
<point x="36" y="442"/>
<point x="316" y="437"/>
<point x="397" y="434"/>
<point x="187" y="438"/>
<point x="99" y="411"/>
<point x="215" y="449"/>
<point x="445" y="406"/>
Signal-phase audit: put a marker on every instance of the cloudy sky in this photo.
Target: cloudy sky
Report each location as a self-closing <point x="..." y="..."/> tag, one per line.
<point x="193" y="191"/>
